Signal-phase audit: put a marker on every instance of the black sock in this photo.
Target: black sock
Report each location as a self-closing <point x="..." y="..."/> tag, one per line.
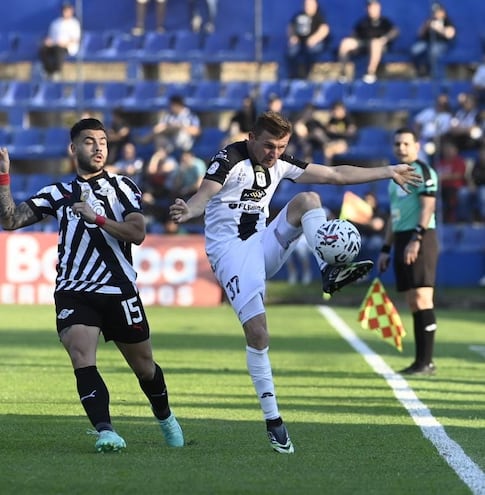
<point x="94" y="397"/>
<point x="425" y="327"/>
<point x="156" y="392"/>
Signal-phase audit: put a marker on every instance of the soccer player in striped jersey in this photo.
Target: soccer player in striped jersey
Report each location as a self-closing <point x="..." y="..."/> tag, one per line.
<point x="243" y="251"/>
<point x="100" y="217"/>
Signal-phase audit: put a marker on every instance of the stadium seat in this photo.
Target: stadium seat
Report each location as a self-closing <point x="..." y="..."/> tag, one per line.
<point x="25" y="46"/>
<point x="26" y="143"/>
<point x="5" y="47"/>
<point x="120" y="47"/>
<point x="209" y="142"/>
<point x="232" y="95"/>
<point x="156" y="47"/>
<point x="92" y="44"/>
<point x="56" y="142"/>
<point x="327" y="93"/>
<point x="16" y="93"/>
<point x="397" y="95"/>
<point x="299" y="94"/>
<point x="51" y="95"/>
<point x="203" y="96"/>
<point x="142" y="96"/>
<point x="364" y="97"/>
<point x="218" y="47"/>
<point x="244" y="48"/>
<point x="187" y="46"/>
<point x="18" y="187"/>
<point x="372" y="143"/>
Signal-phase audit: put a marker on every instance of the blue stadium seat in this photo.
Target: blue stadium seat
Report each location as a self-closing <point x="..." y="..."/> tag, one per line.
<point x="25" y="46"/>
<point x="51" y="95"/>
<point x="156" y="47"/>
<point x="397" y="95"/>
<point x="92" y="44"/>
<point x="328" y="92"/>
<point x="5" y="47"/>
<point x="187" y="46"/>
<point x="203" y="96"/>
<point x="142" y="96"/>
<point x="285" y="191"/>
<point x="209" y="142"/>
<point x="218" y="47"/>
<point x="18" y="187"/>
<point x="113" y="93"/>
<point x="26" y="143"/>
<point x="299" y="93"/>
<point x="16" y="93"/>
<point x="56" y="142"/>
<point x="364" y="97"/>
<point x="120" y="47"/>
<point x="244" y="48"/>
<point x="232" y="95"/>
<point x="372" y="143"/>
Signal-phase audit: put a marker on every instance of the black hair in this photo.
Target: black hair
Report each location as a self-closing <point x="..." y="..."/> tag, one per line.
<point x="406" y="130"/>
<point x="83" y="124"/>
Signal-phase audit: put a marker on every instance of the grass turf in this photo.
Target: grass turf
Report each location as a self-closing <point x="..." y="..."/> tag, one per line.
<point x="351" y="435"/>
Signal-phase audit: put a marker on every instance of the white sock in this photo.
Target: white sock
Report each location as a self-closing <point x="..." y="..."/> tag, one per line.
<point x="259" y="368"/>
<point x="311" y="221"/>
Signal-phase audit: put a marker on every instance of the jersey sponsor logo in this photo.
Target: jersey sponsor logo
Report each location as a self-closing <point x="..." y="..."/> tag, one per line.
<point x="65" y="313"/>
<point x="213" y="168"/>
<point x="222" y="154"/>
<point x="253" y="195"/>
<point x="244" y="206"/>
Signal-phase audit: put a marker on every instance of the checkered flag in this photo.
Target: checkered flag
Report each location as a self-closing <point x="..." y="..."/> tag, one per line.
<point x="377" y="312"/>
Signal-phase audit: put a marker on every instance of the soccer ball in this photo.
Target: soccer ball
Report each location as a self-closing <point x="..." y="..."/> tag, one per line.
<point x="338" y="242"/>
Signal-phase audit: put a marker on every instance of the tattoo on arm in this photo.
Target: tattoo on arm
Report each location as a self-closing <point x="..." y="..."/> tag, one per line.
<point x="13" y="217"/>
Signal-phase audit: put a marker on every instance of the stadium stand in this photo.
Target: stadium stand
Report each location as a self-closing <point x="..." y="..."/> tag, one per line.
<point x="111" y="72"/>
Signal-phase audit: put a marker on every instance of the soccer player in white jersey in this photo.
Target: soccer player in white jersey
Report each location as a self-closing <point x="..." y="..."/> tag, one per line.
<point x="235" y="195"/>
<point x="100" y="217"/>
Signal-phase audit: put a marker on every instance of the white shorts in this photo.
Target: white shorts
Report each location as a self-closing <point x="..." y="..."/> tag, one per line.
<point x="244" y="266"/>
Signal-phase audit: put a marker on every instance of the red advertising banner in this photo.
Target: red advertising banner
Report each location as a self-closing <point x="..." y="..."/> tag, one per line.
<point x="172" y="270"/>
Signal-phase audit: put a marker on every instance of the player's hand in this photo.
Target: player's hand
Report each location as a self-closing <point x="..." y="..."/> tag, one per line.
<point x="82" y="208"/>
<point x="179" y="211"/>
<point x="4" y="161"/>
<point x="405" y="175"/>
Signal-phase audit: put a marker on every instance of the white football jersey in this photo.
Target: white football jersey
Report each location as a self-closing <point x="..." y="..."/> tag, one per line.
<point x="241" y="207"/>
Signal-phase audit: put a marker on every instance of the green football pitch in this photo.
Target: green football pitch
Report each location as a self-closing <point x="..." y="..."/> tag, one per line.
<point x="357" y="427"/>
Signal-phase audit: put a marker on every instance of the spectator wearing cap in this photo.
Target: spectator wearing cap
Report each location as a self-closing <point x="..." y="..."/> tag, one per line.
<point x="308" y="32"/>
<point x="63" y="39"/>
<point x="435" y="37"/>
<point x="372" y="35"/>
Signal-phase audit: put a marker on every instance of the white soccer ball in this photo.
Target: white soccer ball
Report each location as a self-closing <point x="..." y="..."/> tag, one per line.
<point x="338" y="242"/>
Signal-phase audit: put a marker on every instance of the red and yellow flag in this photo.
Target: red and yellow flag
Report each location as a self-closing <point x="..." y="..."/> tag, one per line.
<point x="377" y="312"/>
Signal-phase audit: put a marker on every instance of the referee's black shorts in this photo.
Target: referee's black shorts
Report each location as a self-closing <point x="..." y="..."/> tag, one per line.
<point x="422" y="273"/>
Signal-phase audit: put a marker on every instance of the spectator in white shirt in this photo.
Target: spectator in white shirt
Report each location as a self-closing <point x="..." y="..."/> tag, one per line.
<point x="63" y="39"/>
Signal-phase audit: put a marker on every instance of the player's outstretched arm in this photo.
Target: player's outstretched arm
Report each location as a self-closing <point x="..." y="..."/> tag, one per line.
<point x="403" y="174"/>
<point x="181" y="211"/>
<point x="11" y="216"/>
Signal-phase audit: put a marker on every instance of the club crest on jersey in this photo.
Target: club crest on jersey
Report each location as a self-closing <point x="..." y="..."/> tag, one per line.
<point x="222" y="154"/>
<point x="213" y="168"/>
<point x="260" y="177"/>
<point x="253" y="194"/>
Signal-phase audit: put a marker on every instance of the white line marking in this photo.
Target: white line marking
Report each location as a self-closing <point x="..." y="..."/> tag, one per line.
<point x="469" y="472"/>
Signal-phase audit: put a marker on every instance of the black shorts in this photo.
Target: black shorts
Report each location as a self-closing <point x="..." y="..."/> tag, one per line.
<point x="120" y="318"/>
<point x="422" y="273"/>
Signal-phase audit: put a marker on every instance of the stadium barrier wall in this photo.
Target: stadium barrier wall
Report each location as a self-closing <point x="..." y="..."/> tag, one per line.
<point x="172" y="271"/>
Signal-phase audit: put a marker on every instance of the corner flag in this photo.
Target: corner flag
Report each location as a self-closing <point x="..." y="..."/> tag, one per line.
<point x="378" y="312"/>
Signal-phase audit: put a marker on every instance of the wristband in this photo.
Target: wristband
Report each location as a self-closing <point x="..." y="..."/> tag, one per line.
<point x="420" y="230"/>
<point x="100" y="220"/>
<point x="386" y="248"/>
<point x="4" y="179"/>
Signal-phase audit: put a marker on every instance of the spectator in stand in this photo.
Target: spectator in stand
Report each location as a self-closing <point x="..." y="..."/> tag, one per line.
<point x="435" y="36"/>
<point x="118" y="134"/>
<point x="340" y="131"/>
<point x="451" y="168"/>
<point x="177" y="128"/>
<point x="372" y="35"/>
<point x="158" y="184"/>
<point x="308" y="32"/>
<point x="129" y="164"/>
<point x="471" y="199"/>
<point x="141" y="14"/>
<point x="188" y="176"/>
<point x="203" y="15"/>
<point x="465" y="129"/>
<point x="431" y="123"/>
<point x="241" y="122"/>
<point x="308" y="135"/>
<point x="478" y="82"/>
<point x="63" y="39"/>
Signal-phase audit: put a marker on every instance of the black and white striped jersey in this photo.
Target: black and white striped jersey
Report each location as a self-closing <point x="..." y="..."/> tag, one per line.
<point x="91" y="260"/>
<point x="241" y="207"/>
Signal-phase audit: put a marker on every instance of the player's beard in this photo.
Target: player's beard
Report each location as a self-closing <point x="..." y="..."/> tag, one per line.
<point x="85" y="165"/>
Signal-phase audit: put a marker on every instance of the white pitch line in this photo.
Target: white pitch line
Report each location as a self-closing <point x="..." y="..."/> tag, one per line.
<point x="469" y="472"/>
